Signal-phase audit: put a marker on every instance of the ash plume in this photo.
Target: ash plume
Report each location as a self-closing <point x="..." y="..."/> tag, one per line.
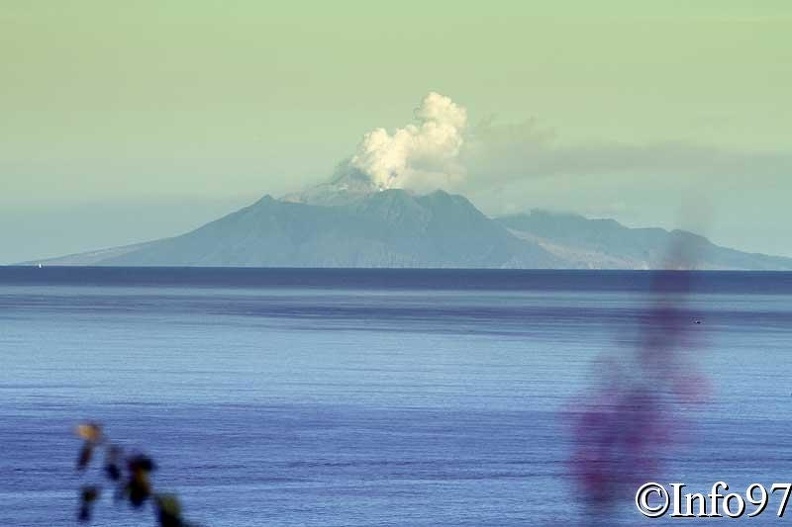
<point x="421" y="156"/>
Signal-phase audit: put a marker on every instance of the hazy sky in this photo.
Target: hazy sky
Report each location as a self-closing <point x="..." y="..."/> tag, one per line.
<point x="125" y="121"/>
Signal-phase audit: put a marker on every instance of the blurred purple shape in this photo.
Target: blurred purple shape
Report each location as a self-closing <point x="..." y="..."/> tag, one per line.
<point x="622" y="430"/>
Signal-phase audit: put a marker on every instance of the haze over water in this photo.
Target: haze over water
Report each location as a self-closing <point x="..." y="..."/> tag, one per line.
<point x="359" y="398"/>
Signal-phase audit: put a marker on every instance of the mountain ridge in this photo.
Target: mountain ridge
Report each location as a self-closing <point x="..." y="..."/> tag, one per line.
<point x="607" y="244"/>
<point x="399" y="229"/>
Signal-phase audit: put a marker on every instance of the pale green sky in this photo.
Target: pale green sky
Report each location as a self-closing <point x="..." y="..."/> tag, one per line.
<point x="132" y="106"/>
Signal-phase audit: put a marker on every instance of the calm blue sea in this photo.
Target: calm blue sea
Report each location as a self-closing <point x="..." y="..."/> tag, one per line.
<point x="374" y="398"/>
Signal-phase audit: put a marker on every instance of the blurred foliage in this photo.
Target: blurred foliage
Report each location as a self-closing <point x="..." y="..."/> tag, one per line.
<point x="128" y="474"/>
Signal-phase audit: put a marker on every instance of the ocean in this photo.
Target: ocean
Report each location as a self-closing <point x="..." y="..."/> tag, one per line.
<point x="307" y="397"/>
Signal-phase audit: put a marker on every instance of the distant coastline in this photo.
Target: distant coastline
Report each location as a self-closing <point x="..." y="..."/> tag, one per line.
<point x="517" y="280"/>
<point x="398" y="229"/>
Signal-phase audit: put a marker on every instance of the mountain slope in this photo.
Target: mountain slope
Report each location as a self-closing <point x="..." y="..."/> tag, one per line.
<point x="392" y="228"/>
<point x="606" y="244"/>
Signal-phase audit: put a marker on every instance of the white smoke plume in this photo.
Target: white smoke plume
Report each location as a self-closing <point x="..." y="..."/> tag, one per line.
<point x="420" y="156"/>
